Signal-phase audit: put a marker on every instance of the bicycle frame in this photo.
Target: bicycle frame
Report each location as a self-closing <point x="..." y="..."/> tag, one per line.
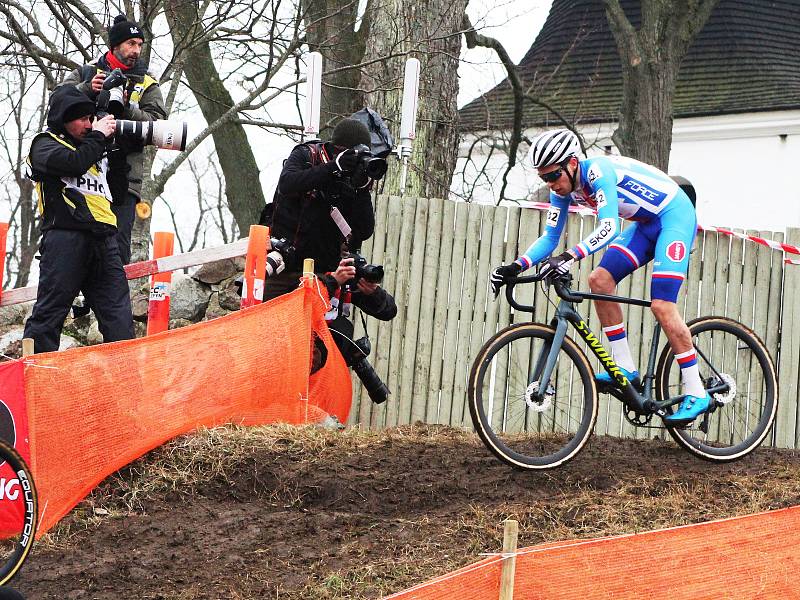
<point x="642" y="403"/>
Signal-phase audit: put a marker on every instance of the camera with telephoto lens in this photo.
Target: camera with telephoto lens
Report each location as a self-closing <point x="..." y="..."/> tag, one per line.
<point x="356" y="358"/>
<point x="280" y="250"/>
<point x="167" y="135"/>
<point x="368" y="164"/>
<point x="364" y="270"/>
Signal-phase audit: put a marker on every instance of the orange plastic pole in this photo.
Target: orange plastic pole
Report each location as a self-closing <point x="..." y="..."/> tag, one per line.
<point x="3" y="236"/>
<point x="158" y="309"/>
<point x="255" y="266"/>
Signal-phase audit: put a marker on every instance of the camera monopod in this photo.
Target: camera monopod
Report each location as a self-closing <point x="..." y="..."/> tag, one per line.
<point x="408" y="122"/>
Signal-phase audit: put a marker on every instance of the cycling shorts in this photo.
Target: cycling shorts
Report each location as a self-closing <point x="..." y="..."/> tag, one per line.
<point x="667" y="240"/>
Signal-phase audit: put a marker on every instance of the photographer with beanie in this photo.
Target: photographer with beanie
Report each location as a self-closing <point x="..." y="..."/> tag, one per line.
<point x="322" y="202"/>
<point x="78" y="247"/>
<point x="142" y="102"/>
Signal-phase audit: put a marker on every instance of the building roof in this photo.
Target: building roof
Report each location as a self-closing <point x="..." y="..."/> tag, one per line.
<point x="745" y="59"/>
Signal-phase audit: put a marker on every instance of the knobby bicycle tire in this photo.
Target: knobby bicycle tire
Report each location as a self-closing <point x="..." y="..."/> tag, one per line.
<point x="18" y="549"/>
<point x="520" y="432"/>
<point x="749" y="413"/>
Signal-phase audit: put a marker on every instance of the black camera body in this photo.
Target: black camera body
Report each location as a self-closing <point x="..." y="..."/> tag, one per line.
<point x="364" y="270"/>
<point x="355" y="356"/>
<point x="369" y="165"/>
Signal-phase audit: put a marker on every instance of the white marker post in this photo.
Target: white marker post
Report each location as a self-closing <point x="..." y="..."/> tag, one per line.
<point x="408" y="122"/>
<point x="313" y="95"/>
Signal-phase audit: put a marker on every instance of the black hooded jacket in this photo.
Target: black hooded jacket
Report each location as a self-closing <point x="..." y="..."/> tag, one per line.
<point x="301" y="210"/>
<point x="70" y="174"/>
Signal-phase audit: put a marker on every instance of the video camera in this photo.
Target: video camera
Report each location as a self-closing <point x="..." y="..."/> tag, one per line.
<point x="364" y="270"/>
<point x="168" y="135"/>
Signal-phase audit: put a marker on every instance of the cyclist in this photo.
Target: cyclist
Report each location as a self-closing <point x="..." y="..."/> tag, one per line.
<point x="664" y="228"/>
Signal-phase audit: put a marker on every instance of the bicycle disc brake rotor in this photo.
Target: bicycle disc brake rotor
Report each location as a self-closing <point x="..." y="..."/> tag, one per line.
<point x="730" y="394"/>
<point x="539" y="405"/>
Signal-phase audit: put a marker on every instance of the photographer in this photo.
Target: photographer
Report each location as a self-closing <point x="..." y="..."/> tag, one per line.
<point x="322" y="200"/>
<point x="141" y="101"/>
<point x="78" y="247"/>
<point x="354" y="283"/>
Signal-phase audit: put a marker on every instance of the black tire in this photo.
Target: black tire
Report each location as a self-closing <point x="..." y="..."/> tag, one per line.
<point x="521" y="433"/>
<point x="739" y="426"/>
<point x="16" y="541"/>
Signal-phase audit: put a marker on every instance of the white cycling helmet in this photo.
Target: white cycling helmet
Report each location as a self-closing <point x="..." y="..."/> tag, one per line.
<point x="553" y="147"/>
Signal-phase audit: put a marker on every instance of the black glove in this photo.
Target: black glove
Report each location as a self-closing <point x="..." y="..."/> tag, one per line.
<point x="347" y="161"/>
<point x="501" y="274"/>
<point x="557" y="265"/>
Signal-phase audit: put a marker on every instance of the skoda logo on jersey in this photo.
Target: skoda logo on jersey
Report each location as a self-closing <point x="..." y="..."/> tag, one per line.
<point x="594" y="173"/>
<point x="640" y="190"/>
<point x="676" y="251"/>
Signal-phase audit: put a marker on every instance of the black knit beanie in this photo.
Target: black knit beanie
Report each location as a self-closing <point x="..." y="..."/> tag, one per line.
<point x="349" y="133"/>
<point x="122" y="30"/>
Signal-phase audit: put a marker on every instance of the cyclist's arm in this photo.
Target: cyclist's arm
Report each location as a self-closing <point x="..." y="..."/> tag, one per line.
<point x="605" y="189"/>
<point x="554" y="226"/>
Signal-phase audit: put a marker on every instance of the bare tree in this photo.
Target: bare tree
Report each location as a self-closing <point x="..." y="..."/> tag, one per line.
<point x="651" y="57"/>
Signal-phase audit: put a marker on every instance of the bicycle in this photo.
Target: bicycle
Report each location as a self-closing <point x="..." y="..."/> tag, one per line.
<point x="19" y="512"/>
<point x="533" y="397"/>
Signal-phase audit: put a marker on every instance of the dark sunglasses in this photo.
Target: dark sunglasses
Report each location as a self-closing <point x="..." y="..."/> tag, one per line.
<point x="552" y="176"/>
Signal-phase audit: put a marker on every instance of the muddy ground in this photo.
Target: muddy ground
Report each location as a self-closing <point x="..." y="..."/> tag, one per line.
<point x="288" y="513"/>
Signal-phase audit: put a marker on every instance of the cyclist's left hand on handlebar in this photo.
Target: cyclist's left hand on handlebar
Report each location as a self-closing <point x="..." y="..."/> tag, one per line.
<point x="557" y="265"/>
<point x="498" y="277"/>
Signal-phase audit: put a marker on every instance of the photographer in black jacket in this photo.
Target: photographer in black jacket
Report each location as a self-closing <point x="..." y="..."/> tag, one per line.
<point x="322" y="200"/>
<point x="347" y="288"/>
<point x="78" y="250"/>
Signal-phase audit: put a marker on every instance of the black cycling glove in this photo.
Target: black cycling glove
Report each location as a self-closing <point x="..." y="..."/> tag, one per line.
<point x="498" y="277"/>
<point x="557" y="265"/>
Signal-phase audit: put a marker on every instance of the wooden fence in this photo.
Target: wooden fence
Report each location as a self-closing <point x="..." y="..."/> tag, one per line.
<point x="438" y="255"/>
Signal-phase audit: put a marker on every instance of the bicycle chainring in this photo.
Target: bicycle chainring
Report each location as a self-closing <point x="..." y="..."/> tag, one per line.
<point x="539" y="405"/>
<point x="636" y="419"/>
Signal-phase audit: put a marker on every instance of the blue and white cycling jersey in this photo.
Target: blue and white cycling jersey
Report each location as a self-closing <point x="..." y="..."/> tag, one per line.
<point x="616" y="186"/>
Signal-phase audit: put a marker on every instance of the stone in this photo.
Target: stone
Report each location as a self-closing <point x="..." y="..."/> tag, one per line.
<point x="15" y="314"/>
<point x="229" y="298"/>
<point x="217" y="271"/>
<point x="188" y="298"/>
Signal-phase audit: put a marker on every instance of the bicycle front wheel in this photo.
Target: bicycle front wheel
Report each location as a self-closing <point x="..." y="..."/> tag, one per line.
<point x="521" y="426"/>
<point x="730" y="352"/>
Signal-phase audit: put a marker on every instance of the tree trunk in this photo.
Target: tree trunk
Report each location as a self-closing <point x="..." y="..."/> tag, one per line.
<point x="429" y="30"/>
<point x="330" y="31"/>
<point x="242" y="185"/>
<point x="28" y="230"/>
<point x="651" y="58"/>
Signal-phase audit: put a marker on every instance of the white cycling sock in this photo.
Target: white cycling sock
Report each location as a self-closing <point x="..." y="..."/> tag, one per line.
<point x="690" y="374"/>
<point x="620" y="351"/>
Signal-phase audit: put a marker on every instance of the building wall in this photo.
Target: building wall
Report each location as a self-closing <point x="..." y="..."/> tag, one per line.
<point x="744" y="168"/>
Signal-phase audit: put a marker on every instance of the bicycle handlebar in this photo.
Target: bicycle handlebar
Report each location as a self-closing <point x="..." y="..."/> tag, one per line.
<point x="561" y="284"/>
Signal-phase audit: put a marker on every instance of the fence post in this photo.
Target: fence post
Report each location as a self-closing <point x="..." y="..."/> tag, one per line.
<point x="27" y="347"/>
<point x="786" y="425"/>
<point x="510" y="530"/>
<point x="255" y="266"/>
<point x="158" y="308"/>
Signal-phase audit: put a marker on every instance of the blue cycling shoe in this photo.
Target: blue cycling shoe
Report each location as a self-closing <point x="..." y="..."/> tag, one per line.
<point x="691" y="407"/>
<point x="605" y="381"/>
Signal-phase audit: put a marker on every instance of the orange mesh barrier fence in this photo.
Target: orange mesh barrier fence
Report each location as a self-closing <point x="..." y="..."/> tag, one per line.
<point x="756" y="556"/>
<point x="93" y="410"/>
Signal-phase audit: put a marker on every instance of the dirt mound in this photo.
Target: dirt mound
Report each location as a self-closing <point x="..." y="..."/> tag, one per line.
<point x="282" y="512"/>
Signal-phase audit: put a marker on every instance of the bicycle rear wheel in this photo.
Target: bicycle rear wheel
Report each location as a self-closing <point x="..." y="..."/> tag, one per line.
<point x="744" y="415"/>
<point x="522" y="430"/>
<point x="18" y="512"/>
